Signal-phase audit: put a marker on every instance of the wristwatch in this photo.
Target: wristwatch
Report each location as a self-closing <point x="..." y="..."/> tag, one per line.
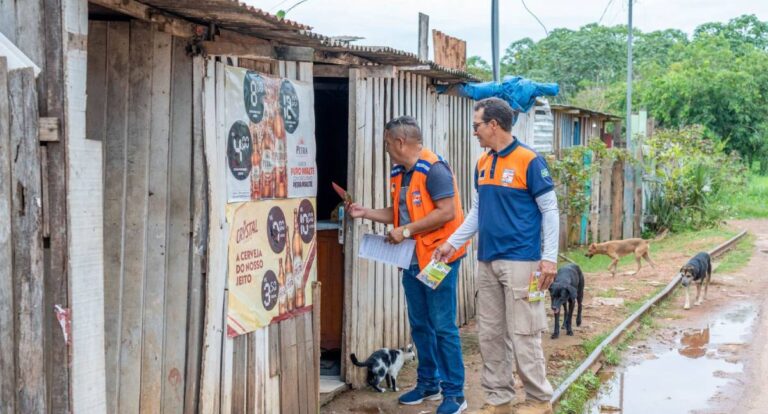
<point x="406" y="232"/>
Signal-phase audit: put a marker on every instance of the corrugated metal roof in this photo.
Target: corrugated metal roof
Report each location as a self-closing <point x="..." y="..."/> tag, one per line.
<point x="240" y="17"/>
<point x="231" y="13"/>
<point x="559" y="107"/>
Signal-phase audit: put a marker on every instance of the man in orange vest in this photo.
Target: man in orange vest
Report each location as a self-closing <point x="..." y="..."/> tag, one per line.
<point x="426" y="207"/>
<point x="514" y="213"/>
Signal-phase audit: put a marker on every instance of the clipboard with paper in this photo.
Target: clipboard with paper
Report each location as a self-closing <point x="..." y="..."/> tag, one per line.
<point x="375" y="247"/>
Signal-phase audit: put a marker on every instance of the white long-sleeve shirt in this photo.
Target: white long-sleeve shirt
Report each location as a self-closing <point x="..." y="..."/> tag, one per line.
<point x="550" y="223"/>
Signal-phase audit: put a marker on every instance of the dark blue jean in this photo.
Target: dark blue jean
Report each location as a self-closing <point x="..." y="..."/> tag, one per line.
<point x="432" y="315"/>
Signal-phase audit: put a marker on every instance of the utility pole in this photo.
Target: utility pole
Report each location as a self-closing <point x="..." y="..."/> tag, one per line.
<point x="629" y="80"/>
<point x="629" y="170"/>
<point x="495" y="38"/>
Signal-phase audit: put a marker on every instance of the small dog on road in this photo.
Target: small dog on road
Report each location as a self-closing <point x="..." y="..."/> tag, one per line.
<point x="616" y="249"/>
<point x="567" y="288"/>
<point x="698" y="270"/>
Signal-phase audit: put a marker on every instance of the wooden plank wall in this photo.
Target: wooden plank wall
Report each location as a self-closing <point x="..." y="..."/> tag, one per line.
<point x="22" y="370"/>
<point x="606" y="209"/>
<point x="151" y="275"/>
<point x="374" y="304"/>
<point x="449" y="51"/>
<point x="36" y="28"/>
<point x="269" y="370"/>
<point x="613" y="196"/>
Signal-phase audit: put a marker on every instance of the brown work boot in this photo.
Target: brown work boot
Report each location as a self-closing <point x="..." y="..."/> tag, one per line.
<point x="534" y="407"/>
<point x="505" y="408"/>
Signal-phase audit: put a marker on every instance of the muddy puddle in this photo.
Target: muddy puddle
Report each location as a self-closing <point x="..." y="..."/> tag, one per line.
<point x="679" y="374"/>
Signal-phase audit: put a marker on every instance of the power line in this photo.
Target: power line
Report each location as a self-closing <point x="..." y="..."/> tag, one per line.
<point x="297" y="3"/>
<point x="604" y="10"/>
<point x="277" y="5"/>
<point x="534" y="16"/>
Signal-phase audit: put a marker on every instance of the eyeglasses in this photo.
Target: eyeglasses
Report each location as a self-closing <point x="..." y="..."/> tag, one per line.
<point x="477" y="125"/>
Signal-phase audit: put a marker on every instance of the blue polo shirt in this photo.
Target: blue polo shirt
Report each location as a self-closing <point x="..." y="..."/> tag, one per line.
<point x="509" y="220"/>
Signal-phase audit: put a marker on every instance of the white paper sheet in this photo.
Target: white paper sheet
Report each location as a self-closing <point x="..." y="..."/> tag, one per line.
<point x="375" y="247"/>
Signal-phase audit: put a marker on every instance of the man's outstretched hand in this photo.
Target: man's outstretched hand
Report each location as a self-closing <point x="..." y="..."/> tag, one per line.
<point x="355" y="210"/>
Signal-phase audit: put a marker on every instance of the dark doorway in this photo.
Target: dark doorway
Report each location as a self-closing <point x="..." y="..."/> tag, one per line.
<point x="331" y="136"/>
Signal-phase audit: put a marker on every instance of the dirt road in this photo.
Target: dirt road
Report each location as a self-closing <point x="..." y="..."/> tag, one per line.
<point x="714" y="357"/>
<point x="749" y="392"/>
<point x="561" y="354"/>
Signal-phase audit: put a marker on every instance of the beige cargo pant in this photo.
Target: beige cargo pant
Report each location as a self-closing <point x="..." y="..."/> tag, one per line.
<point x="510" y="330"/>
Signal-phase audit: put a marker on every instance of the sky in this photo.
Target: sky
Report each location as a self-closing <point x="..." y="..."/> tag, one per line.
<point x="394" y="23"/>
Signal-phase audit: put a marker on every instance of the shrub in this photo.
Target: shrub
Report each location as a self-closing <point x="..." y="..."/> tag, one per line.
<point x="690" y="176"/>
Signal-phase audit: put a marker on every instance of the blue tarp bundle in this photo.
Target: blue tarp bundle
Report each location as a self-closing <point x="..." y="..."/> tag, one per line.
<point x="519" y="92"/>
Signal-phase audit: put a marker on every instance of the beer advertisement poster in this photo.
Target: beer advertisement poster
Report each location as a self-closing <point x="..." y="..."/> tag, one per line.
<point x="297" y="104"/>
<point x="272" y="262"/>
<point x="270" y="140"/>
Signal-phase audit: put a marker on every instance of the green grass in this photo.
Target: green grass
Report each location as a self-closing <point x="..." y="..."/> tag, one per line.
<point x="739" y="256"/>
<point x="632" y="305"/>
<point x="752" y="202"/>
<point x="677" y="242"/>
<point x="591" y="344"/>
<point x="612" y="355"/>
<point x="578" y="394"/>
<point x="610" y="293"/>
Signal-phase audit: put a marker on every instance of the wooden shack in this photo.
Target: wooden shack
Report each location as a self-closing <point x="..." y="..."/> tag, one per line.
<point x="576" y="126"/>
<point x="121" y="224"/>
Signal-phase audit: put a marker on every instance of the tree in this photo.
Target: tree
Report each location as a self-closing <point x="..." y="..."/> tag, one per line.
<point x="746" y="29"/>
<point x="718" y="87"/>
<point x="479" y="68"/>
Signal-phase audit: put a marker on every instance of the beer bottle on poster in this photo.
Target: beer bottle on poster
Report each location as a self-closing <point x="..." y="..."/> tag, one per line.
<point x="280" y="163"/>
<point x="288" y="263"/>
<point x="256" y="163"/>
<point x="281" y="289"/>
<point x="298" y="261"/>
<point x="280" y="158"/>
<point x="290" y="285"/>
<point x="268" y="164"/>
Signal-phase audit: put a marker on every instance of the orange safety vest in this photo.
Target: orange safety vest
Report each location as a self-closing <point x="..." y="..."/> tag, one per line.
<point x="420" y="204"/>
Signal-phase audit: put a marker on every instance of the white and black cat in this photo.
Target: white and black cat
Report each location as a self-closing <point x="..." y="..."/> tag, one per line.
<point x="385" y="363"/>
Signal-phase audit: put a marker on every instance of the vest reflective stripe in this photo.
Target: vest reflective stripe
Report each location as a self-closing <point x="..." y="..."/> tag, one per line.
<point x="420" y="204"/>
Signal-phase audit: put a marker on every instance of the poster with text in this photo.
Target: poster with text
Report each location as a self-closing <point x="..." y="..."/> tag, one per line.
<point x="270" y="137"/>
<point x="271" y="262"/>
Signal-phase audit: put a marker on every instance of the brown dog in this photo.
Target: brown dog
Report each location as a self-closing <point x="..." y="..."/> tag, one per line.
<point x="616" y="249"/>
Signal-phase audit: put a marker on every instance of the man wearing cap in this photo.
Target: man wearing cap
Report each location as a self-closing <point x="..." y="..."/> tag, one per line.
<point x="426" y="207"/>
<point x="513" y="209"/>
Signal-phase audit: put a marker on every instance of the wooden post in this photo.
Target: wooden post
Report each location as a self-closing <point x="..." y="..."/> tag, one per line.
<point x="316" y="309"/>
<point x="199" y="237"/>
<point x="423" y="33"/>
<point x="604" y="232"/>
<point x="7" y="312"/>
<point x="26" y="230"/>
<point x="52" y="103"/>
<point x="85" y="247"/>
<point x="617" y="200"/>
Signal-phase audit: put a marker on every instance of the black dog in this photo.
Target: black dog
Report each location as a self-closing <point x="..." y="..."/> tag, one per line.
<point x="567" y="288"/>
<point x="699" y="270"/>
